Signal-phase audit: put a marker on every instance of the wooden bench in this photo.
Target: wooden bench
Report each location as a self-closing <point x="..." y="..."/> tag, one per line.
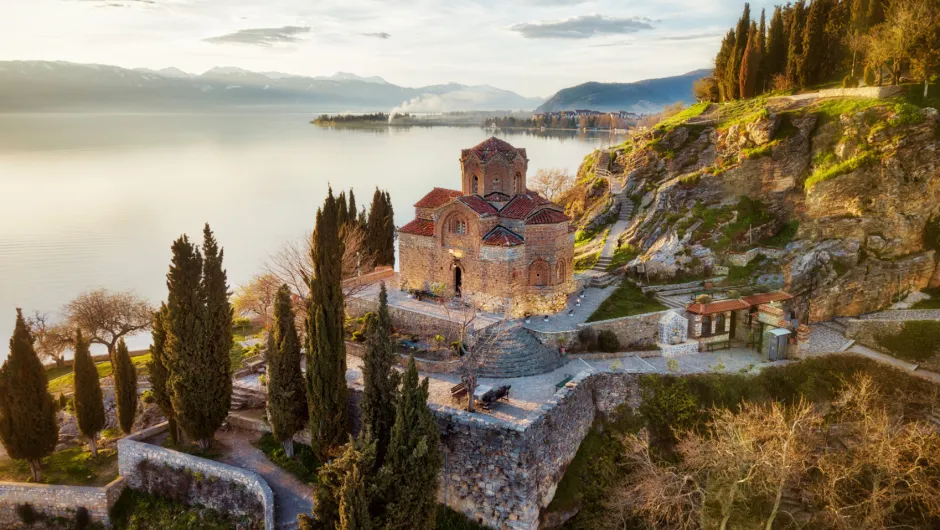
<point x="720" y="345"/>
<point x="458" y="391"/>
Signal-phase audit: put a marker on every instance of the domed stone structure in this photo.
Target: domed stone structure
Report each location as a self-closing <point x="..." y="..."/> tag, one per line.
<point x="494" y="242"/>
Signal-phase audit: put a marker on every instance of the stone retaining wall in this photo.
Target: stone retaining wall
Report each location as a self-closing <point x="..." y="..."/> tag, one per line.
<point x="413" y="321"/>
<point x="743" y="258"/>
<point x="58" y="501"/>
<point x="636" y="329"/>
<point x="358" y="349"/>
<point x="866" y="332"/>
<point x="132" y="452"/>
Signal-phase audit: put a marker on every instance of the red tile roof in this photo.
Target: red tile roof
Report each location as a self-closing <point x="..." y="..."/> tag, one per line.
<point x="502" y="237"/>
<point x="437" y="197"/>
<point x="496" y="196"/>
<point x="717" y="307"/>
<point x="491" y="147"/>
<point x="764" y="298"/>
<point x="419" y="227"/>
<point x="478" y="205"/>
<point x="518" y="208"/>
<point x="547" y="216"/>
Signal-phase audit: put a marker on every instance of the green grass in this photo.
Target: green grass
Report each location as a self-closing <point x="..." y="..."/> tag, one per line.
<point x="830" y="109"/>
<point x="759" y="151"/>
<point x="136" y="510"/>
<point x="741" y="274"/>
<point x="71" y="467"/>
<point x="304" y="465"/>
<point x="585" y="236"/>
<point x="55" y="372"/>
<point x="623" y="255"/>
<point x="827" y="172"/>
<point x="692" y="111"/>
<point x="587" y="261"/>
<point x="918" y="341"/>
<point x="742" y="111"/>
<point x="66" y="382"/>
<point x="628" y="299"/>
<point x="931" y="303"/>
<point x="786" y="129"/>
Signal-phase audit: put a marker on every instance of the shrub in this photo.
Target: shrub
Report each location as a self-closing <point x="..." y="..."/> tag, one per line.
<point x="869" y="76"/>
<point x="917" y="341"/>
<point x="667" y="404"/>
<point x="147" y="396"/>
<point x="704" y="298"/>
<point x="587" y="338"/>
<point x="26" y="513"/>
<point x="608" y="342"/>
<point x="849" y="82"/>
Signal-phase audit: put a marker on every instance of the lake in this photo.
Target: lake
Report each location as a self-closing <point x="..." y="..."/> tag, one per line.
<point x="95" y="201"/>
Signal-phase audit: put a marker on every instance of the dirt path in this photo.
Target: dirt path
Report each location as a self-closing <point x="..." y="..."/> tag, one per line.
<point x="291" y="496"/>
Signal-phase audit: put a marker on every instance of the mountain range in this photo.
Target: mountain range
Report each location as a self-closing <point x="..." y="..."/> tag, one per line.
<point x="57" y="86"/>
<point x="642" y="97"/>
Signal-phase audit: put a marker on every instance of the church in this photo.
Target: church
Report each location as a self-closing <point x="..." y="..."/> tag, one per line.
<point x="493" y="242"/>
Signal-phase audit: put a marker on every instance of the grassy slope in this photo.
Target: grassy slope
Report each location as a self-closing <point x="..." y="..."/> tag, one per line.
<point x="66" y="383"/>
<point x="626" y="300"/>
<point x="72" y="467"/>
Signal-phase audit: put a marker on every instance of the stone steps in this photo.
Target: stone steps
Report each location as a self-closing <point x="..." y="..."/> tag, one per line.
<point x="243" y="397"/>
<point x="670" y="302"/>
<point x="835" y="325"/>
<point x="517" y="353"/>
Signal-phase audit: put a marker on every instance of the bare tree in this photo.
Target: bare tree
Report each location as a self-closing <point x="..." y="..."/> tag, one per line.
<point x="51" y="340"/>
<point x="105" y="316"/>
<point x="292" y="264"/>
<point x="551" y="183"/>
<point x="475" y="340"/>
<point x="257" y="297"/>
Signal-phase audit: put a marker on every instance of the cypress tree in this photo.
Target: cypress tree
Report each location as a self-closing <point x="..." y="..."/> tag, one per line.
<point x="380" y="380"/>
<point x="354" y="503"/>
<point x="776" y="59"/>
<point x="187" y="354"/>
<point x="286" y="403"/>
<point x="89" y="405"/>
<point x="749" y="66"/>
<point x="326" y="349"/>
<point x="414" y="459"/>
<point x="352" y="211"/>
<point x="342" y="210"/>
<point x="723" y="65"/>
<point x="125" y="387"/>
<point x="795" y="45"/>
<point x="329" y="490"/>
<point x="762" y="78"/>
<point x="813" y="44"/>
<point x="218" y="325"/>
<point x="28" y="426"/>
<point x="159" y="370"/>
<point x="741" y="36"/>
<point x="876" y="13"/>
<point x="388" y="233"/>
<point x="375" y="229"/>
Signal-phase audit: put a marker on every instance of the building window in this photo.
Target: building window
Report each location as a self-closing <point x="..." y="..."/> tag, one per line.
<point x="458" y="226"/>
<point x="476" y="184"/>
<point x="515" y="183"/>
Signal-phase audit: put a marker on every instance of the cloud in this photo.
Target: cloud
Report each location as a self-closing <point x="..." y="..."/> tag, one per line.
<point x="261" y="36"/>
<point x="582" y="27"/>
<point x="609" y="44"/>
<point x="378" y="35"/>
<point x="558" y="2"/>
<point x="694" y="36"/>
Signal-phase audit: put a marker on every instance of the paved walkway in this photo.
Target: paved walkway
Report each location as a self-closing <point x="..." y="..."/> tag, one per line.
<point x="590" y="299"/>
<point x="291" y="496"/>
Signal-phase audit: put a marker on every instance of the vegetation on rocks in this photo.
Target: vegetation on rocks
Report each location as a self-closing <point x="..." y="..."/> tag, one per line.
<point x="73" y="466"/>
<point x="301" y="463"/>
<point x="136" y="510"/>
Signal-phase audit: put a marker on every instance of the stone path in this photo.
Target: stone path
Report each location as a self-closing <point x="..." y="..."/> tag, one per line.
<point x="897" y="363"/>
<point x="562" y="321"/>
<point x="903" y="314"/>
<point x="823" y="340"/>
<point x="610" y="244"/>
<point x="291" y="496"/>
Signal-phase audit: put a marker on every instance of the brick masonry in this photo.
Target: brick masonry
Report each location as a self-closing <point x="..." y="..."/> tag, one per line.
<point x="131" y="451"/>
<point x="58" y="501"/>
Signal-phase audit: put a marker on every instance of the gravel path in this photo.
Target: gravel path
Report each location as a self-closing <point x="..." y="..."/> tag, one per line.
<point x="823" y="340"/>
<point x="291" y="496"/>
<point x="904" y="314"/>
<point x="562" y="321"/>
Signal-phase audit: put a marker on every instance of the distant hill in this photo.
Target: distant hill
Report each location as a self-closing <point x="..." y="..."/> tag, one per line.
<point x="57" y="86"/>
<point x="647" y="96"/>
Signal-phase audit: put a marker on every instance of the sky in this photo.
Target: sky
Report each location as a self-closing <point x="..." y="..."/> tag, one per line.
<point x="533" y="47"/>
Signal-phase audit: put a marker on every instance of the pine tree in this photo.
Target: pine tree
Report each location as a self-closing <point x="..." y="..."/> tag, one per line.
<point x="219" y="341"/>
<point x="89" y="404"/>
<point x="414" y="459"/>
<point x="354" y="502"/>
<point x="286" y="403"/>
<point x="749" y="66"/>
<point x="326" y="349"/>
<point x="380" y="379"/>
<point x="28" y="426"/>
<point x="814" y="44"/>
<point x="159" y="370"/>
<point x="741" y="36"/>
<point x="187" y="354"/>
<point x="795" y="45"/>
<point x="723" y="63"/>
<point x="776" y="59"/>
<point x="125" y="387"/>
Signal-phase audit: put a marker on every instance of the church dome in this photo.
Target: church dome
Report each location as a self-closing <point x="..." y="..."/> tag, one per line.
<point x="490" y="148"/>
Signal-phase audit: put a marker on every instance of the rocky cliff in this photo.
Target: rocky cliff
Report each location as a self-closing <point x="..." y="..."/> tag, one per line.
<point x="841" y="196"/>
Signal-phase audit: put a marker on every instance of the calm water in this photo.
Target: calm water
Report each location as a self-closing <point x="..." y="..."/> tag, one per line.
<point x="95" y="200"/>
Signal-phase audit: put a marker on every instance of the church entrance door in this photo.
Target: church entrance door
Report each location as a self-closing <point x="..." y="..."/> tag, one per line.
<point x="458" y="280"/>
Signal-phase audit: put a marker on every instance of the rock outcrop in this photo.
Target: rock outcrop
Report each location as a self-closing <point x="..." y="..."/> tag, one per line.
<point x="847" y="194"/>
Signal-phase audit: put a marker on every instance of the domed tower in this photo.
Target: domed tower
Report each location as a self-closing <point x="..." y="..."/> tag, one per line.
<point x="493" y="166"/>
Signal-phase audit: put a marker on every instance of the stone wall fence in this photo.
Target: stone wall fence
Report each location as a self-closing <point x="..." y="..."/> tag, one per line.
<point x="866" y="332"/>
<point x="59" y="501"/>
<point x="358" y="349"/>
<point x="133" y="452"/>
<point x="409" y="319"/>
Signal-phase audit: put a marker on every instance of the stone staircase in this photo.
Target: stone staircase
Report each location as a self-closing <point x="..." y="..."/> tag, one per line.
<point x="671" y="303"/>
<point x="245" y="397"/>
<point x="517" y="353"/>
<point x="603" y="162"/>
<point x="626" y="213"/>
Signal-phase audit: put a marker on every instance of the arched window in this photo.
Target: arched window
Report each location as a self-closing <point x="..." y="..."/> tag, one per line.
<point x="457" y="225"/>
<point x="560" y="271"/>
<point x="476" y="184"/>
<point x="706" y="326"/>
<point x="515" y="183"/>
<point x="539" y="273"/>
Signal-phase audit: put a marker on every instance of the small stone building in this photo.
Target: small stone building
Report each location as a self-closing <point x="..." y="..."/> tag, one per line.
<point x="744" y="319"/>
<point x="493" y="241"/>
